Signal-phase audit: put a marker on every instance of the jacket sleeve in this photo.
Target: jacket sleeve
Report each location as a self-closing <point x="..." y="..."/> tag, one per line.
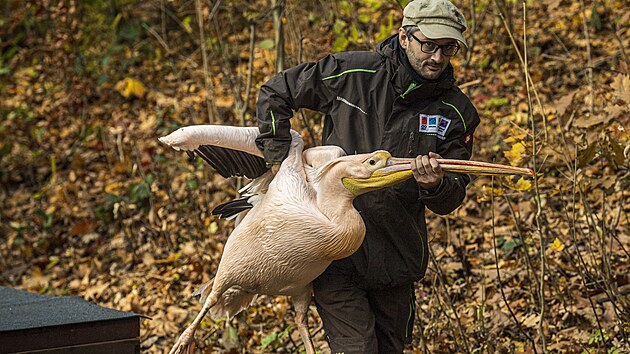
<point x="298" y="87"/>
<point x="458" y="145"/>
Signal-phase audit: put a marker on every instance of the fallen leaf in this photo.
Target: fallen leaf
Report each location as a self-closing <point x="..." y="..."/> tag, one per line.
<point x="523" y="185"/>
<point x="563" y="103"/>
<point x="171" y="258"/>
<point x="621" y="84"/>
<point x="113" y="188"/>
<point x="130" y="87"/>
<point x="587" y="122"/>
<point x="515" y="135"/>
<point x="556" y="245"/>
<point x="515" y="154"/>
<point x="82" y="227"/>
<point x="614" y="111"/>
<point x="531" y="320"/>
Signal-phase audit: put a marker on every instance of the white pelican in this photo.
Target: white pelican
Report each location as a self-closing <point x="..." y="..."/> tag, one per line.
<point x="300" y="220"/>
<point x="299" y="224"/>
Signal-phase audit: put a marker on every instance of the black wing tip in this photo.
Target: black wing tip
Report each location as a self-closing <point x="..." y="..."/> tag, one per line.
<point x="230" y="162"/>
<point x="232" y="208"/>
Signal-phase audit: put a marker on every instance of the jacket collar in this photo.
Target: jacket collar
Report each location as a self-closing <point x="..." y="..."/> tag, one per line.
<point x="406" y="81"/>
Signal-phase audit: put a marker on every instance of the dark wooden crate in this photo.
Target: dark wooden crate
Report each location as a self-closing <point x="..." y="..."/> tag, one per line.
<point x="32" y="322"/>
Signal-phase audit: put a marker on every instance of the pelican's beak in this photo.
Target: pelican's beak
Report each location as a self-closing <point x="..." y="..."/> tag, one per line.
<point x="398" y="170"/>
<point x="467" y="167"/>
<point x="392" y="173"/>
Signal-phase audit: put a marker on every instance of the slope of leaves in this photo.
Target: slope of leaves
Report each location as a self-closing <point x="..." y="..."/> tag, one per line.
<point x="93" y="206"/>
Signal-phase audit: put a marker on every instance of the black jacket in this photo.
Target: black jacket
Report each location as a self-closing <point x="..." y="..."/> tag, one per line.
<point x="377" y="101"/>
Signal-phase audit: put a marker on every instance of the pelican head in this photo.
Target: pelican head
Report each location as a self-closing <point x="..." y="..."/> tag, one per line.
<point x="379" y="170"/>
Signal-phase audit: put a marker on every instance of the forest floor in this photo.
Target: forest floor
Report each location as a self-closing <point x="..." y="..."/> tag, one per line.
<point x="94" y="206"/>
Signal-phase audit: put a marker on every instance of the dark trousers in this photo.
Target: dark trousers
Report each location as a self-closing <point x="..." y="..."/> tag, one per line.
<point x="363" y="321"/>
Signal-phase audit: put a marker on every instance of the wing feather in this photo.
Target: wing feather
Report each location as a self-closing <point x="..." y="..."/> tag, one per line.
<point x="230" y="209"/>
<point x="231" y="151"/>
<point x="229" y="162"/>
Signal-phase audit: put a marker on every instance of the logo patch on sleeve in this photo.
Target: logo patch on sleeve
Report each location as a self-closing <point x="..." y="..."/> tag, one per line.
<point x="434" y="125"/>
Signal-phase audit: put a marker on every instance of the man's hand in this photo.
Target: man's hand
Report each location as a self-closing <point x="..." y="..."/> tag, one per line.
<point x="275" y="168"/>
<point x="427" y="171"/>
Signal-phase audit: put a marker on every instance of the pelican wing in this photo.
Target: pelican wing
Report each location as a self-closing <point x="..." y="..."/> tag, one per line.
<point x="231" y="151"/>
<point x="230" y="162"/>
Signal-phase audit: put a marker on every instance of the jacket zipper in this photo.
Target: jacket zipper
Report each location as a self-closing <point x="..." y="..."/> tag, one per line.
<point x="412" y="136"/>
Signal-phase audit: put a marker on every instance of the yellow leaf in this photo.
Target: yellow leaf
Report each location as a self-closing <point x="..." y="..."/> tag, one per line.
<point x="515" y="134"/>
<point x="523" y="185"/>
<point x="113" y="188"/>
<point x="171" y="258"/>
<point x="489" y="192"/>
<point x="214" y="227"/>
<point x="557" y="245"/>
<point x="515" y="155"/>
<point x="130" y="87"/>
<point x="186" y="24"/>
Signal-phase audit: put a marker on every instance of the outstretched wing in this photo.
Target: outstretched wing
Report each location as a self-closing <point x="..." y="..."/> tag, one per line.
<point x="230" y="162"/>
<point x="231" y="151"/>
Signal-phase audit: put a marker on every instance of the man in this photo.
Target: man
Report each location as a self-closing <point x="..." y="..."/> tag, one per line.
<point x="402" y="99"/>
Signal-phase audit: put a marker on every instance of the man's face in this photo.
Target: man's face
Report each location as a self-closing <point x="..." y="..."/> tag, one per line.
<point x="429" y="66"/>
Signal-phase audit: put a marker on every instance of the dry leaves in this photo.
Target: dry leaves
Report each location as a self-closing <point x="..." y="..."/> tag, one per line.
<point x="93" y="206"/>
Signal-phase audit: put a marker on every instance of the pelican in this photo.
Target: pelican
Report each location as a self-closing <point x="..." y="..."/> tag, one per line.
<point x="296" y="222"/>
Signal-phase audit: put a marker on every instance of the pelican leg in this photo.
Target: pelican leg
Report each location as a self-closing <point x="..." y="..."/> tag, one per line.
<point x="185" y="339"/>
<point x="301" y="303"/>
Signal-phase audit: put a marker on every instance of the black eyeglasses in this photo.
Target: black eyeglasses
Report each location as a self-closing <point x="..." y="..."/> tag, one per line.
<point x="429" y="47"/>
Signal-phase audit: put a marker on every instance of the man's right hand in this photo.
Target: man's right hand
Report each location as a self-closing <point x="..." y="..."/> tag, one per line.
<point x="427" y="171"/>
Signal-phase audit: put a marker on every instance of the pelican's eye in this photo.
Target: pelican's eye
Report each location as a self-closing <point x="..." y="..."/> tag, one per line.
<point x="375" y="162"/>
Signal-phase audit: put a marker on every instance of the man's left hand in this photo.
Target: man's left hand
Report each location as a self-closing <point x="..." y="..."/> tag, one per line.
<point x="427" y="171"/>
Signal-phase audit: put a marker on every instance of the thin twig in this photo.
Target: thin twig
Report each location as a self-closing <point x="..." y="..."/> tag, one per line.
<point x="469" y="84"/>
<point x="311" y="133"/>
<point x="530" y="266"/>
<point x="621" y="46"/>
<point x="209" y="86"/>
<point x="423" y="340"/>
<point x="533" y="87"/>
<point x="573" y="232"/>
<point x="442" y="310"/>
<point x="157" y="36"/>
<point x="473" y="27"/>
<point x="250" y="70"/>
<point x="541" y="323"/>
<point x="589" y="69"/>
<point x="278" y="6"/>
<point x="450" y="302"/>
<point x="163" y="21"/>
<point x="496" y="265"/>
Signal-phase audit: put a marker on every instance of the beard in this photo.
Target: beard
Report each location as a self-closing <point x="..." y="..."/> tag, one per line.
<point x="430" y="69"/>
